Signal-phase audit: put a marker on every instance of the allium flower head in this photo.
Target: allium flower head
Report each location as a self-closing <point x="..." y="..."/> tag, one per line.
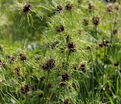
<point x="59" y="8"/>
<point x="96" y="20"/>
<point x="49" y="64"/>
<point x="27" y="8"/>
<point x="69" y="7"/>
<point x="65" y="77"/>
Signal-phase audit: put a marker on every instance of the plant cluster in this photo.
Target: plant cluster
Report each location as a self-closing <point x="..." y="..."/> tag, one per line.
<point x="60" y="52"/>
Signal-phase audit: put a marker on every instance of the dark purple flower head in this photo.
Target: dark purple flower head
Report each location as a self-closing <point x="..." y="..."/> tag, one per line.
<point x="117" y="8"/>
<point x="73" y="85"/>
<point x="1" y="48"/>
<point x="71" y="45"/>
<point x="41" y="95"/>
<point x="100" y="45"/>
<point x="3" y="64"/>
<point x="86" y="22"/>
<point x="110" y="8"/>
<point x="13" y="58"/>
<point x="23" y="58"/>
<point x="65" y="77"/>
<point x="67" y="39"/>
<point x="102" y="89"/>
<point x="82" y="67"/>
<point x="25" y="89"/>
<point x="115" y="31"/>
<point x="96" y="20"/>
<point x="66" y="101"/>
<point x="80" y="1"/>
<point x="43" y="78"/>
<point x="91" y="6"/>
<point x="69" y="7"/>
<point x="59" y="8"/>
<point x="49" y="64"/>
<point x="116" y="64"/>
<point x="63" y="64"/>
<point x="17" y="71"/>
<point x="109" y="1"/>
<point x="62" y="84"/>
<point x="108" y="86"/>
<point x="120" y="70"/>
<point x="27" y="8"/>
<point x="83" y="70"/>
<point x="49" y="85"/>
<point x="109" y="75"/>
<point x="9" y="56"/>
<point x="54" y="44"/>
<point x="20" y="54"/>
<point x="106" y="43"/>
<point x="60" y="28"/>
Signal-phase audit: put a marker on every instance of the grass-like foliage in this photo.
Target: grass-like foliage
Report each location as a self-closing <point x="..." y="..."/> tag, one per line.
<point x="60" y="52"/>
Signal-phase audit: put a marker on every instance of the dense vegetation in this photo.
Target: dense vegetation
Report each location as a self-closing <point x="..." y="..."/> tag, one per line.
<point x="60" y="52"/>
